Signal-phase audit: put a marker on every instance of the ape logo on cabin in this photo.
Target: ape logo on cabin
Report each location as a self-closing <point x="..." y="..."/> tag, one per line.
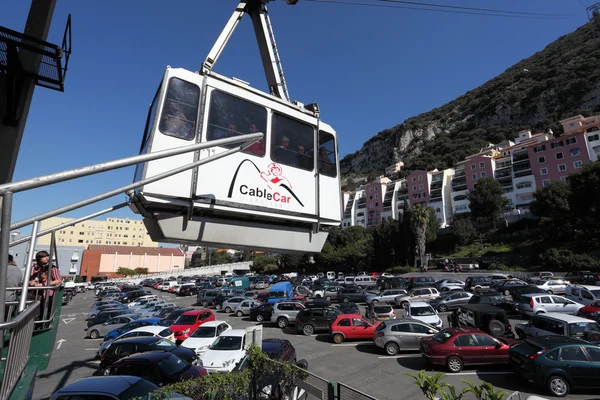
<point x="275" y="181"/>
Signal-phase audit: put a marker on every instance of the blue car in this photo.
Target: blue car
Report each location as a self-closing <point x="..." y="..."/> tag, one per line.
<point x="115" y="333"/>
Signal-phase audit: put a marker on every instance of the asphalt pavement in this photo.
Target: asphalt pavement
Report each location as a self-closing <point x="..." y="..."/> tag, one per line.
<point x="360" y="365"/>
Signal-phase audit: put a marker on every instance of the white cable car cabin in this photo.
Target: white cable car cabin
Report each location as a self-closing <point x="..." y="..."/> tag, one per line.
<point x="282" y="193"/>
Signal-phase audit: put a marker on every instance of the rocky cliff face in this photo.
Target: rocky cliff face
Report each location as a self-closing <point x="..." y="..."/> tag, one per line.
<point x="556" y="83"/>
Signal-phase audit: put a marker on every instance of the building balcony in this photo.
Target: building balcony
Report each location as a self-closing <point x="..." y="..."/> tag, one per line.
<point x="436" y="185"/>
<point x="435" y="199"/>
<point x="504" y="174"/>
<point x="458" y="174"/>
<point x="508" y="189"/>
<point x="522" y="173"/>
<point x="500" y="166"/>
<point x="459" y="188"/>
<point x="520" y="158"/>
<point x="387" y="208"/>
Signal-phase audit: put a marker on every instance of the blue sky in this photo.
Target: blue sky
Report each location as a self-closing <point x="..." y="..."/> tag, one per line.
<point x="369" y="68"/>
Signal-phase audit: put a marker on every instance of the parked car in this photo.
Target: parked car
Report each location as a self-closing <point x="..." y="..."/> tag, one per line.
<point x="554" y="286"/>
<point x="419" y="294"/>
<point x="351" y="326"/>
<point x="380" y="312"/>
<point x="451" y="301"/>
<point x="331" y="293"/>
<point x="421" y="281"/>
<point x="532" y="304"/>
<point x="583" y="294"/>
<point x="96" y="331"/>
<point x="348" y="308"/>
<point x="351" y="294"/>
<point x="206" y="297"/>
<point x="189" y="321"/>
<point x="487" y="318"/>
<point x="160" y="368"/>
<point x="473" y="283"/>
<point x="449" y="283"/>
<point x="285" y="312"/>
<point x="365" y="282"/>
<point x="394" y="282"/>
<point x="560" y="324"/>
<point x="516" y="293"/>
<point x="132" y="325"/>
<point x="173" y="315"/>
<point x="262" y="312"/>
<point x="423" y="312"/>
<point x="591" y="311"/>
<point x="244" y="307"/>
<point x="143" y="331"/>
<point x="104" y="316"/>
<point x="385" y="296"/>
<point x="558" y="363"/>
<point x="505" y="286"/>
<point x="492" y="297"/>
<point x="457" y="347"/>
<point x="205" y="335"/>
<point x="311" y="320"/>
<point x="399" y="335"/>
<point x="225" y="352"/>
<point x="577" y="277"/>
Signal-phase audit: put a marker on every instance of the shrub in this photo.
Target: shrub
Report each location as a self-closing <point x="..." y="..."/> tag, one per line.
<point x="401" y="269"/>
<point x="562" y="259"/>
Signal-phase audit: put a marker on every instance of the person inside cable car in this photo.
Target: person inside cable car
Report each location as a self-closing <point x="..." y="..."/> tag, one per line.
<point x="257" y="148"/>
<point x="283" y="153"/>
<point x="325" y="164"/>
<point x="174" y="120"/>
<point x="303" y="160"/>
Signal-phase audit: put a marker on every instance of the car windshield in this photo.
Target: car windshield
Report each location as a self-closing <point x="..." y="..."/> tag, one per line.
<point x="204" y="332"/>
<point x="173" y="365"/>
<point x="227" y="343"/>
<point x="441" y="336"/>
<point x="185" y="320"/>
<point x="163" y="344"/>
<point x="579" y="329"/>
<point x="596" y="293"/>
<point x="422" y="311"/>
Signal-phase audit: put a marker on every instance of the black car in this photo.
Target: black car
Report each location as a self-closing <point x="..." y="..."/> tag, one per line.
<point x="488" y="318"/>
<point x="506" y="286"/>
<point x="421" y="281"/>
<point x="475" y="282"/>
<point x="310" y="320"/>
<point x="173" y="315"/>
<point x="133" y="295"/>
<point x="559" y="363"/>
<point x="104" y="316"/>
<point x="107" y="387"/>
<point x="353" y="294"/>
<point x="188" y="290"/>
<point x="317" y="303"/>
<point x="126" y="347"/>
<point x="494" y="298"/>
<point x="395" y="282"/>
<point x="262" y="312"/>
<point x="516" y="293"/>
<point x="348" y="308"/>
<point x="159" y="367"/>
<point x="165" y="311"/>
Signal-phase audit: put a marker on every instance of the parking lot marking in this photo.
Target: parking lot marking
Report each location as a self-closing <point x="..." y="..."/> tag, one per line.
<point x="403" y="356"/>
<point x="91" y="349"/>
<point x="352" y="344"/>
<point x="486" y="373"/>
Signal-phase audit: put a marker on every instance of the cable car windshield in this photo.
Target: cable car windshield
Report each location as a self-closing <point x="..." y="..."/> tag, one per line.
<point x="292" y="142"/>
<point x="180" y="110"/>
<point x="327" y="154"/>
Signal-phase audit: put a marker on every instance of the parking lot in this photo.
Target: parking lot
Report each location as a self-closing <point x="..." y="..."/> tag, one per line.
<point x="360" y="365"/>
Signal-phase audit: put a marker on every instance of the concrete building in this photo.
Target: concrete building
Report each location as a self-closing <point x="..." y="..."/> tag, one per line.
<point x="104" y="261"/>
<point x="394" y="168"/>
<point x="112" y="231"/>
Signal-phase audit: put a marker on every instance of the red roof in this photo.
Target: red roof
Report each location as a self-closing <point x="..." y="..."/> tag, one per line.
<point x="136" y="250"/>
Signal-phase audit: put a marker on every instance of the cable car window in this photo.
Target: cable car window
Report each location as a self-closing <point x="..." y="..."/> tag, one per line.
<point x="139" y="169"/>
<point x="327" y="164"/>
<point x="292" y="142"/>
<point x="180" y="111"/>
<point x="231" y="116"/>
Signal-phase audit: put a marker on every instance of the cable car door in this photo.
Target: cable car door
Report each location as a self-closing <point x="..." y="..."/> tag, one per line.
<point x="330" y="201"/>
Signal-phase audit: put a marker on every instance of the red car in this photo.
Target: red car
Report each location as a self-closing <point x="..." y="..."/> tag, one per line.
<point x="188" y="322"/>
<point x="592" y="311"/>
<point x="351" y="326"/>
<point x="157" y="285"/>
<point x="456" y="347"/>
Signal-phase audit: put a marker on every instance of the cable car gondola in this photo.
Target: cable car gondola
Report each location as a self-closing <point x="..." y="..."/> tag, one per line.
<point x="279" y="194"/>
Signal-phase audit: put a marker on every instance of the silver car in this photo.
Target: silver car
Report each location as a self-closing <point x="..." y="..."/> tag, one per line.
<point x="385" y="296"/>
<point x="332" y="293"/>
<point x="379" y="312"/>
<point x="96" y="331"/>
<point x="231" y="304"/>
<point x="451" y="301"/>
<point x="399" y="335"/>
<point x="538" y="303"/>
<point x="245" y="306"/>
<point x="149" y="312"/>
<point x="417" y="294"/>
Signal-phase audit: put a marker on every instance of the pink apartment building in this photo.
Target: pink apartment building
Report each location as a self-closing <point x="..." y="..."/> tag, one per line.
<point x="374" y="200"/>
<point x="418" y="187"/>
<point x="477" y="168"/>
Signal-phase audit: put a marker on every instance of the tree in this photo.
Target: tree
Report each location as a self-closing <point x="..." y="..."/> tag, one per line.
<point x="584" y="202"/>
<point x="464" y="230"/>
<point x="552" y="200"/>
<point x="408" y="238"/>
<point x="419" y="220"/>
<point x="486" y="200"/>
<point x="125" y="271"/>
<point x="351" y="247"/>
<point x="141" y="271"/>
<point x="433" y="225"/>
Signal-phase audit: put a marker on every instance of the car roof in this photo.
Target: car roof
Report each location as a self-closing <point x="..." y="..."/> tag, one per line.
<point x="115" y="384"/>
<point x="273" y="344"/>
<point x="234" y="332"/>
<point x="147" y="356"/>
<point x="555" y="340"/>
<point x="149" y="328"/>
<point x="194" y="312"/>
<point x="564" y="317"/>
<point x="463" y="329"/>
<point x="213" y="323"/>
<point x="140" y="339"/>
<point x="481" y="307"/>
<point x="418" y="304"/>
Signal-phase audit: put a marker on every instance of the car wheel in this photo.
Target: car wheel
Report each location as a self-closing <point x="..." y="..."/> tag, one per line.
<point x="94" y="334"/>
<point x="558" y="386"/>
<point x="454" y="364"/>
<point x="442" y="308"/>
<point x="260" y="318"/>
<point x="391" y="348"/>
<point x="328" y="298"/>
<point x="205" y="303"/>
<point x="239" y="313"/>
<point x="403" y="304"/>
<point x="497" y="328"/>
<point x="106" y="371"/>
<point x="360" y="287"/>
<point x="318" y="296"/>
<point x="550" y="291"/>
<point x="540" y="312"/>
<point x="338" y="338"/>
<point x="282" y="322"/>
<point x="507" y="293"/>
<point x="308" y="329"/>
<point x="521" y="335"/>
<point x="218" y="306"/>
<point x="228" y="310"/>
<point x="346" y="300"/>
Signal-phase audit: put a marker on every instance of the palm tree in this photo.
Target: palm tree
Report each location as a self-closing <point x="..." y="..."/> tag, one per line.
<point x="419" y="219"/>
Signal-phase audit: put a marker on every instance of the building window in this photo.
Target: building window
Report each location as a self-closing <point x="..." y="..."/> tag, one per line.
<point x="481" y="165"/>
<point x="371" y="205"/>
<point x="421" y="186"/>
<point x="370" y="197"/>
<point x="559" y="156"/>
<point x="376" y="204"/>
<point x="370" y="190"/>
<point x="571" y="140"/>
<point x="474" y="177"/>
<point x="376" y="196"/>
<point x="472" y="166"/>
<point x="523" y="185"/>
<point x="541" y="160"/>
<point x="81" y="233"/>
<point x="562" y="167"/>
<point x="70" y="240"/>
<point x="537" y="149"/>
<point x="438" y="210"/>
<point x="545" y="182"/>
<point x="563" y="178"/>
<point x="80" y="241"/>
<point x="575" y="152"/>
<point x="414" y="179"/>
<point x="572" y="124"/>
<point x="577" y="164"/>
<point x="557" y="144"/>
<point x="483" y="174"/>
<point x="544" y="171"/>
<point x="593" y="138"/>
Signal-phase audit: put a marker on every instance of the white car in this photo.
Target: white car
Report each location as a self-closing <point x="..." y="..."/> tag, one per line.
<point x="554" y="286"/>
<point x="423" y="312"/>
<point x="387" y="275"/>
<point x="201" y="339"/>
<point x="225" y="352"/>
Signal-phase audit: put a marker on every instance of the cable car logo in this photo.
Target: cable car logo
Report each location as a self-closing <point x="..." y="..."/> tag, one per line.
<point x="274" y="180"/>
